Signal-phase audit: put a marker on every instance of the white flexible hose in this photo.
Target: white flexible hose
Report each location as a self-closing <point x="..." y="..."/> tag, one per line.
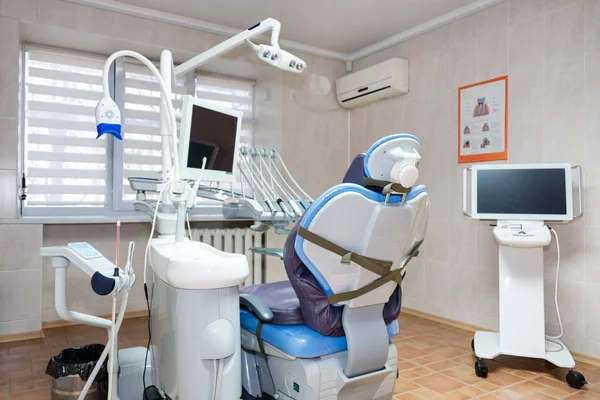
<point x="100" y="362"/>
<point x="287" y="171"/>
<point x="187" y="219"/>
<point x="219" y="377"/>
<point x="556" y="288"/>
<point x="152" y="230"/>
<point x="111" y="358"/>
<point x="163" y="89"/>
<point x="215" y="380"/>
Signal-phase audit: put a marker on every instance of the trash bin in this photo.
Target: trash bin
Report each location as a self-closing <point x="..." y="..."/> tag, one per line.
<point x="70" y="370"/>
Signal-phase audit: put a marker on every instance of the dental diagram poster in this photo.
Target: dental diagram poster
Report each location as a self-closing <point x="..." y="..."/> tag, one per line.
<point x="483" y="121"/>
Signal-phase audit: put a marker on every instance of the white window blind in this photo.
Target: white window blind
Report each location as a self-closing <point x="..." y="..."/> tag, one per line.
<point x="64" y="164"/>
<point x="68" y="171"/>
<point x="142" y="151"/>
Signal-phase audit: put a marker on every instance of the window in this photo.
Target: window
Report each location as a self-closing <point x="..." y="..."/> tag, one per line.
<point x="142" y="154"/>
<point x="65" y="165"/>
<point x="68" y="171"/>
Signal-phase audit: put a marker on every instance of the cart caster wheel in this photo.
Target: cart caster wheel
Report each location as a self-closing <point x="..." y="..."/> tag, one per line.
<point x="481" y="369"/>
<point x="576" y="379"/>
<point x="473" y="344"/>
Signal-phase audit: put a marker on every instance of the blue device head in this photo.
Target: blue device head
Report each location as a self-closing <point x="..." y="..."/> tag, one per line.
<point x="112" y="129"/>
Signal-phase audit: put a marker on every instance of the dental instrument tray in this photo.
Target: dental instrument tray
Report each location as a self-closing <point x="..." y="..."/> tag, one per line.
<point x="267" y="251"/>
<point x="140" y="184"/>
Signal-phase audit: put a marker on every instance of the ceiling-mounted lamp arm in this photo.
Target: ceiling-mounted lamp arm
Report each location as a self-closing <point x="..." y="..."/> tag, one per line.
<point x="271" y="54"/>
<point x="231" y="43"/>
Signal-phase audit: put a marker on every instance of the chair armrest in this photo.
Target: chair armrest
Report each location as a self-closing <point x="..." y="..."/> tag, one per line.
<point x="256" y="306"/>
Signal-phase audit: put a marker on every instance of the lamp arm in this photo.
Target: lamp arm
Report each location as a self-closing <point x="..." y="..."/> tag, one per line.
<point x="165" y="95"/>
<point x="231" y="43"/>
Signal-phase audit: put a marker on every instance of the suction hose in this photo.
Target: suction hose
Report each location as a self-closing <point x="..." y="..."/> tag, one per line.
<point x="115" y="329"/>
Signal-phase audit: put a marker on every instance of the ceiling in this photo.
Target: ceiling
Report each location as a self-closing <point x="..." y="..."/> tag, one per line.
<point x="343" y="26"/>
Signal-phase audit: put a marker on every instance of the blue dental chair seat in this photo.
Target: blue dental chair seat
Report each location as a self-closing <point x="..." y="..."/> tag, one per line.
<point x="329" y="337"/>
<point x="299" y="340"/>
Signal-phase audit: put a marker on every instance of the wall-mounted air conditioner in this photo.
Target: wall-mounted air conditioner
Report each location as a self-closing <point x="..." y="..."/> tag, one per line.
<point x="387" y="79"/>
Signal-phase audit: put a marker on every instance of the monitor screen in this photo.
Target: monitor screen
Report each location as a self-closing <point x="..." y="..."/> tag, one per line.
<point x="212" y="135"/>
<point x="522" y="191"/>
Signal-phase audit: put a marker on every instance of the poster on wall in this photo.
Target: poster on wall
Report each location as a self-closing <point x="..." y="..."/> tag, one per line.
<point x="483" y="121"/>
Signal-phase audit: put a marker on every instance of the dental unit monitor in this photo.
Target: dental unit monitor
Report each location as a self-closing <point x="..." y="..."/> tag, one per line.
<point x="211" y="132"/>
<point x="535" y="192"/>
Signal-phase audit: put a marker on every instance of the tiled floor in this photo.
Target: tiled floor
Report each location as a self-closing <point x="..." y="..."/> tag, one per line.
<point x="436" y="362"/>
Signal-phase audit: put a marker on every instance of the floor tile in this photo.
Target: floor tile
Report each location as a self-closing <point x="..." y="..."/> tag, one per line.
<point x="435" y="362"/>
<point x="440" y="383"/>
<point x="406" y="396"/>
<point x="403" y="386"/>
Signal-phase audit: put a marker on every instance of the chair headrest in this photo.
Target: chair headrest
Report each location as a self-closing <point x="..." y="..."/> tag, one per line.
<point x="356" y="171"/>
<point x="389" y="152"/>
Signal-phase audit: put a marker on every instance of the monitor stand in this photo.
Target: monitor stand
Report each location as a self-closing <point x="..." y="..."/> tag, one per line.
<point x="522" y="327"/>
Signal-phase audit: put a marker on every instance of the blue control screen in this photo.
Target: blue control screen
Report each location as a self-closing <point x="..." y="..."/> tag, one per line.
<point x="85" y="250"/>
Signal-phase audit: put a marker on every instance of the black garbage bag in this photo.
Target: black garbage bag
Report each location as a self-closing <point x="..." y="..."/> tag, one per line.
<point x="81" y="361"/>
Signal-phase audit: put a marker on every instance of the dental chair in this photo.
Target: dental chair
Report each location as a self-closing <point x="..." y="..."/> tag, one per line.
<point x="326" y="334"/>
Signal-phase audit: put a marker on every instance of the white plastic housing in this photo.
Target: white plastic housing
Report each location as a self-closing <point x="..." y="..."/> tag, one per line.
<point x="107" y="112"/>
<point x="195" y="265"/>
<point x="387" y="79"/>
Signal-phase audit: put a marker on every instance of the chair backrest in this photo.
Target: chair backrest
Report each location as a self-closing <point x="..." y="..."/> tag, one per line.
<point x="361" y="221"/>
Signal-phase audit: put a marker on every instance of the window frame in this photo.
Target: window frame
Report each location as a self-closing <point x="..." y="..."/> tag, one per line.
<point x="114" y="205"/>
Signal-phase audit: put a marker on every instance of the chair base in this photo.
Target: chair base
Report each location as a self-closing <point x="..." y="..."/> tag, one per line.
<point x="248" y="396"/>
<point x="314" y="379"/>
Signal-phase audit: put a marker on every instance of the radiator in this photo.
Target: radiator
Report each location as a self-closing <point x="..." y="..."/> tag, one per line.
<point x="239" y="241"/>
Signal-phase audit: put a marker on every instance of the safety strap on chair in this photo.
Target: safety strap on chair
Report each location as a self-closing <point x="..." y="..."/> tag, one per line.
<point x="379" y="267"/>
<point x="388" y="187"/>
<point x="261" y="345"/>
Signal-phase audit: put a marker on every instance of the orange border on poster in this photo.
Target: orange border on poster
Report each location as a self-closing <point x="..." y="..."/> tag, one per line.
<point x="490" y="156"/>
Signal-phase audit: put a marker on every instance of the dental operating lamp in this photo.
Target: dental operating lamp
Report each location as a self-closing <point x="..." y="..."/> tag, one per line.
<point x="108" y="115"/>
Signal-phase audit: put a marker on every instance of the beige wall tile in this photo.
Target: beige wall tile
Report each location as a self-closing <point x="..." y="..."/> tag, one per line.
<point x="98" y="21"/>
<point x="552" y="5"/>
<point x="592" y="348"/>
<point x="9" y="90"/>
<point x="463" y="288"/>
<point x="565" y="31"/>
<point x="592" y="27"/>
<point x="592" y="254"/>
<point x="592" y="322"/>
<point x="564" y="138"/>
<point x="487" y="322"/>
<point x="527" y="46"/>
<point x="20" y="247"/>
<point x="493" y="54"/>
<point x="464" y="29"/>
<point x="8" y="193"/>
<point x="437" y="290"/>
<point x="18" y="326"/>
<point x="463" y="62"/>
<point x="525" y="10"/>
<point x="58" y="13"/>
<point x="563" y="88"/>
<point x="9" y="41"/>
<point x="20" y="294"/>
<point x="468" y="317"/>
<point x="8" y="143"/>
<point x="494" y="18"/>
<point x="24" y="10"/>
<point x="487" y="292"/>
